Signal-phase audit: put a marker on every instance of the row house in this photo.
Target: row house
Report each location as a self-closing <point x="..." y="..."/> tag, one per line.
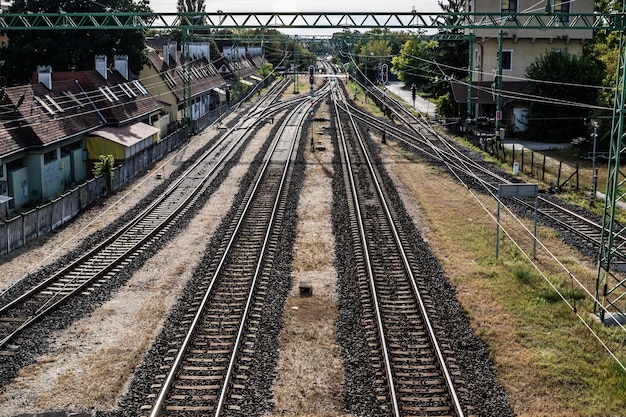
<point x="166" y="77"/>
<point x="242" y="63"/>
<point x="51" y="129"/>
<point x="520" y="47"/>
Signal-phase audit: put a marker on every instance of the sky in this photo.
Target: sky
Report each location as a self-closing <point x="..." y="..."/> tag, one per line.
<point x="321" y="6"/>
<point x="306" y="5"/>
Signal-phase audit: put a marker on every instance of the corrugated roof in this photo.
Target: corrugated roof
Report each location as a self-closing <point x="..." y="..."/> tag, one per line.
<point x="127" y="135"/>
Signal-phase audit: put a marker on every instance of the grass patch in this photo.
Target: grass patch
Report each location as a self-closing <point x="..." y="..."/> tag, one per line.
<point x="545" y="356"/>
<point x="523" y="274"/>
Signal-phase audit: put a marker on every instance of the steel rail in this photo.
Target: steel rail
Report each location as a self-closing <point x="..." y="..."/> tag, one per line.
<point x="440" y="357"/>
<point x="132" y="244"/>
<point x="159" y="404"/>
<point x="458" y="162"/>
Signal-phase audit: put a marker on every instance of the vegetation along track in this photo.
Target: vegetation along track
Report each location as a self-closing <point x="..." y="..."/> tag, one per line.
<point x="415" y="371"/>
<point x="416" y="134"/>
<point x="208" y="367"/>
<point x="110" y="256"/>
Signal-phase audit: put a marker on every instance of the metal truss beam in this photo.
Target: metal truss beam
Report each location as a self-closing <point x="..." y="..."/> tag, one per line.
<point x="307" y="20"/>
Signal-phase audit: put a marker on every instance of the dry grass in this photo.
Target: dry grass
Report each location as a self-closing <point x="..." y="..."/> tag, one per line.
<point x="547" y="361"/>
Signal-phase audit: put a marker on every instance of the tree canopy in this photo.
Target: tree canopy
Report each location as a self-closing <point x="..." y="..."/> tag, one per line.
<point x="191" y="6"/>
<point x="559" y="75"/>
<point x="69" y="50"/>
<point x="373" y="54"/>
<point x="414" y="64"/>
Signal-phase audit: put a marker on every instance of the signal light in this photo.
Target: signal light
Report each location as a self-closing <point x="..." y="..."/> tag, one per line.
<point x="311" y="74"/>
<point x="383" y="74"/>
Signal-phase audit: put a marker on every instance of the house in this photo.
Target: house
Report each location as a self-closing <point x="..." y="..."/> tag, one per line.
<point x="131" y="115"/>
<point x="41" y="138"/>
<point x="242" y="64"/>
<point x="520" y="47"/>
<point x="167" y="78"/>
<point x="52" y="128"/>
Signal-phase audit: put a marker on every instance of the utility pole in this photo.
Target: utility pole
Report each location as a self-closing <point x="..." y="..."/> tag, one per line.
<point x="594" y="170"/>
<point x="295" y="67"/>
<point x="470" y="66"/>
<point x="499" y="86"/>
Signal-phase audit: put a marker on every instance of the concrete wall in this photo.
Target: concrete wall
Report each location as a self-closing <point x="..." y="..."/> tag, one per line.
<point x="525" y="45"/>
<point x="523" y="52"/>
<point x="528" y="6"/>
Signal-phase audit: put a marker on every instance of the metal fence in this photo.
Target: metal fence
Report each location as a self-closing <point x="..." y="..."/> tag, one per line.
<point x="30" y="225"/>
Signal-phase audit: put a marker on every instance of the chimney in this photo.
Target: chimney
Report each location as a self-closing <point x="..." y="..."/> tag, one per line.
<point x="121" y="65"/>
<point x="200" y="50"/>
<point x="44" y="75"/>
<point x="166" y="55"/>
<point x="101" y="65"/>
<point x="172" y="48"/>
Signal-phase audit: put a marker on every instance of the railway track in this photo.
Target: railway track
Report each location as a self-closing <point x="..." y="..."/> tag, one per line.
<point x="107" y="259"/>
<point x="415" y="373"/>
<point x="208" y="369"/>
<point x="417" y="134"/>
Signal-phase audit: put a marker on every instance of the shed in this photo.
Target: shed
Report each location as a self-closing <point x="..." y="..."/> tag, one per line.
<point x="121" y="142"/>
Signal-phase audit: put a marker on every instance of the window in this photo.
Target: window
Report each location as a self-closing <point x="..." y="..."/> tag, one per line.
<point x="509" y="6"/>
<point x="507" y="59"/>
<point x="50" y="156"/>
<point x="562" y="7"/>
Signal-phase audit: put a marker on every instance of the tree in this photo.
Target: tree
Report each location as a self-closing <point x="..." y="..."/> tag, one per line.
<point x="104" y="166"/>
<point x="547" y="75"/>
<point x="453" y="6"/>
<point x="69" y="50"/>
<point x="414" y="64"/>
<point x="266" y="69"/>
<point x="190" y="6"/>
<point x="604" y="47"/>
<point x="373" y="54"/>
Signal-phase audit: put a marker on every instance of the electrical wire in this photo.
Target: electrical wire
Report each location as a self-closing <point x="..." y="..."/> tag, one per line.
<point x="101" y="102"/>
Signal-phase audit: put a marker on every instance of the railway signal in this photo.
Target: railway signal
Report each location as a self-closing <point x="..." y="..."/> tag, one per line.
<point x="311" y="75"/>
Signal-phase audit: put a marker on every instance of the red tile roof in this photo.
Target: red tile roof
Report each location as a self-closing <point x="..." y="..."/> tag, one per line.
<point x="78" y="103"/>
<point x="203" y="75"/>
<point x="43" y="116"/>
<point x="118" y="100"/>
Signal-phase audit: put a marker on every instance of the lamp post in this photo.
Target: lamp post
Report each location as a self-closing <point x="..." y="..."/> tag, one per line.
<point x="594" y="170"/>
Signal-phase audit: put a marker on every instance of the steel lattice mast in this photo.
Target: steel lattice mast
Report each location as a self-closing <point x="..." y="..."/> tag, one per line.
<point x="306" y="20"/>
<point x="610" y="283"/>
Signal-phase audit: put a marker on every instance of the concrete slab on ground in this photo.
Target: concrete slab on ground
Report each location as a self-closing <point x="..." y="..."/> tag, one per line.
<point x="404" y="92"/>
<point x="533" y="145"/>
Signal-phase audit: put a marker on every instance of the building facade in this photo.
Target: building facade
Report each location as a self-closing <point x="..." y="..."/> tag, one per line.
<point x="519" y="47"/>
